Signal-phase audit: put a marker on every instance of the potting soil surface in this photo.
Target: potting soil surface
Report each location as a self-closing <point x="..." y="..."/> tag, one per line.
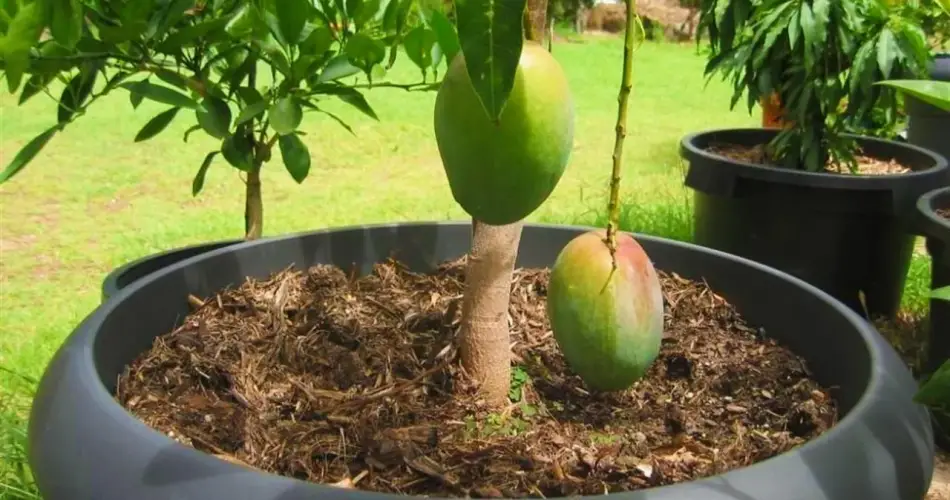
<point x="944" y="213"/>
<point x="352" y="381"/>
<point x="757" y="155"/>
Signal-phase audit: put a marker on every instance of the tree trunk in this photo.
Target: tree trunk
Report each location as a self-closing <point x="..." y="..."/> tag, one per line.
<point x="484" y="344"/>
<point x="253" y="205"/>
<point x="483" y="336"/>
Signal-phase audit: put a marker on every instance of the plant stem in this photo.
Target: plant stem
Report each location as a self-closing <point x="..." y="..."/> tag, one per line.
<point x="253" y="201"/>
<point x="253" y="205"/>
<point x="483" y="334"/>
<point x="626" y="84"/>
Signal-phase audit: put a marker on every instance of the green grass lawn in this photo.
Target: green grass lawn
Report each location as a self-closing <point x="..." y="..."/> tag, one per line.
<point x="94" y="199"/>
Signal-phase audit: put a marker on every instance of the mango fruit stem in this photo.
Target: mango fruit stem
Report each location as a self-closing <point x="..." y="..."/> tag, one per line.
<point x="626" y="85"/>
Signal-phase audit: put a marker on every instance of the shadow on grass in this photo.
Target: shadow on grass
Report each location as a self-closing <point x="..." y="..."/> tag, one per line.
<point x="16" y="392"/>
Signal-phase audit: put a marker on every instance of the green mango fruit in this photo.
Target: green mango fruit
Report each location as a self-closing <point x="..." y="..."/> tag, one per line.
<point x="608" y="323"/>
<point x="500" y="173"/>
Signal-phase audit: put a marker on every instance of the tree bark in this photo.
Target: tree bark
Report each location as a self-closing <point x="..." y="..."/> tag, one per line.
<point x="253" y="205"/>
<point x="484" y="343"/>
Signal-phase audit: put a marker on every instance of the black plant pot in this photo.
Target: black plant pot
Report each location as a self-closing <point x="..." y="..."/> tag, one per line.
<point x="927" y="124"/>
<point x="937" y="231"/>
<point x="844" y="233"/>
<point x="131" y="272"/>
<point x="85" y="446"/>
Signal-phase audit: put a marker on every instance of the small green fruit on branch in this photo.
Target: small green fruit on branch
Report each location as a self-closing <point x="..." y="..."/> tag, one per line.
<point x="607" y="321"/>
<point x="500" y="172"/>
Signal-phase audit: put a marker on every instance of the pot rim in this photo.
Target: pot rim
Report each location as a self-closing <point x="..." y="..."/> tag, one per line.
<point x="113" y="412"/>
<point x="110" y="283"/>
<point x="926" y="206"/>
<point x="689" y="149"/>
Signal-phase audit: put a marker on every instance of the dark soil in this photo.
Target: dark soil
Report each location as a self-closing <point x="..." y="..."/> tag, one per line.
<point x="943" y="213"/>
<point x="346" y="381"/>
<point x="757" y="155"/>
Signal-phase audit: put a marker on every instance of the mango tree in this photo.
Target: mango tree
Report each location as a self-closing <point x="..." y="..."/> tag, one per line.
<point x="504" y="123"/>
<point x="245" y="72"/>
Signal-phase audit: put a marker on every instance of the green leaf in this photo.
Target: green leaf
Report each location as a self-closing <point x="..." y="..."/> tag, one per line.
<point x="192" y="129"/>
<point x="491" y="36"/>
<point x="418" y="44"/>
<point x="296" y="156"/>
<point x="291" y="17"/>
<point x="23" y="32"/>
<point x="34" y="85"/>
<point x="862" y="67"/>
<point x="27" y="153"/>
<point x="356" y="99"/>
<point x="238" y="151"/>
<point x="285" y="115"/>
<point x="821" y="10"/>
<point x="809" y="32"/>
<point x="941" y="293"/>
<point x="76" y="93"/>
<point x="188" y="35"/>
<point x="338" y="67"/>
<point x="249" y="95"/>
<point x="887" y="52"/>
<point x="247" y="22"/>
<point x="933" y="92"/>
<point x="214" y="116"/>
<point x="445" y="34"/>
<point x="317" y="43"/>
<point x="936" y="390"/>
<point x="794" y="29"/>
<point x="199" y="182"/>
<point x="66" y="23"/>
<point x="160" y="93"/>
<point x="353" y="7"/>
<point x="365" y="52"/>
<point x="156" y="125"/>
<point x="368" y="10"/>
<point x="250" y="112"/>
<point x="173" y="12"/>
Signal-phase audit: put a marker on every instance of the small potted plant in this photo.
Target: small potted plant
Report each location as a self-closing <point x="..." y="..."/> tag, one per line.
<point x="244" y="74"/>
<point x="810" y="197"/>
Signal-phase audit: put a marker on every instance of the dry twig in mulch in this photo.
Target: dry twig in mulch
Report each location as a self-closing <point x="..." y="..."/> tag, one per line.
<point x="325" y="378"/>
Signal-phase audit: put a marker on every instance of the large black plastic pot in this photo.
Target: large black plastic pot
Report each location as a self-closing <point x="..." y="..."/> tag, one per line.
<point x="846" y="234"/>
<point x="127" y="274"/>
<point x="84" y="446"/>
<point x="927" y="124"/>
<point x="937" y="231"/>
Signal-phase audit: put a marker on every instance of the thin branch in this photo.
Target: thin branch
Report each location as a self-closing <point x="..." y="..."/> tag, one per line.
<point x="613" y="204"/>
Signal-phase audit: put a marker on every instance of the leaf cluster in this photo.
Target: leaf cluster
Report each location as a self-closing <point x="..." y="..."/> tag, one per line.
<point x="821" y="58"/>
<point x="243" y="71"/>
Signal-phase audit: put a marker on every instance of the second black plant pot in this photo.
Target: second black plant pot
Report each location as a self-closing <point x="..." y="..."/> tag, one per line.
<point x="936" y="227"/>
<point x="84" y="446"/>
<point x="849" y="235"/>
<point x="927" y="125"/>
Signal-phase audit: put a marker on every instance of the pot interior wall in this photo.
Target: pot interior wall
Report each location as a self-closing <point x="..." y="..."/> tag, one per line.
<point x="810" y="326"/>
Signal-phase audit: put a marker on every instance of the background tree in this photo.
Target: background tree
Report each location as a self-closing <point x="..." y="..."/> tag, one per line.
<point x="246" y="71"/>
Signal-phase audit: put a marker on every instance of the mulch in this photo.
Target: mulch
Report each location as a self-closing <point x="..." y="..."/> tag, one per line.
<point x="757" y="155"/>
<point x="350" y="381"/>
